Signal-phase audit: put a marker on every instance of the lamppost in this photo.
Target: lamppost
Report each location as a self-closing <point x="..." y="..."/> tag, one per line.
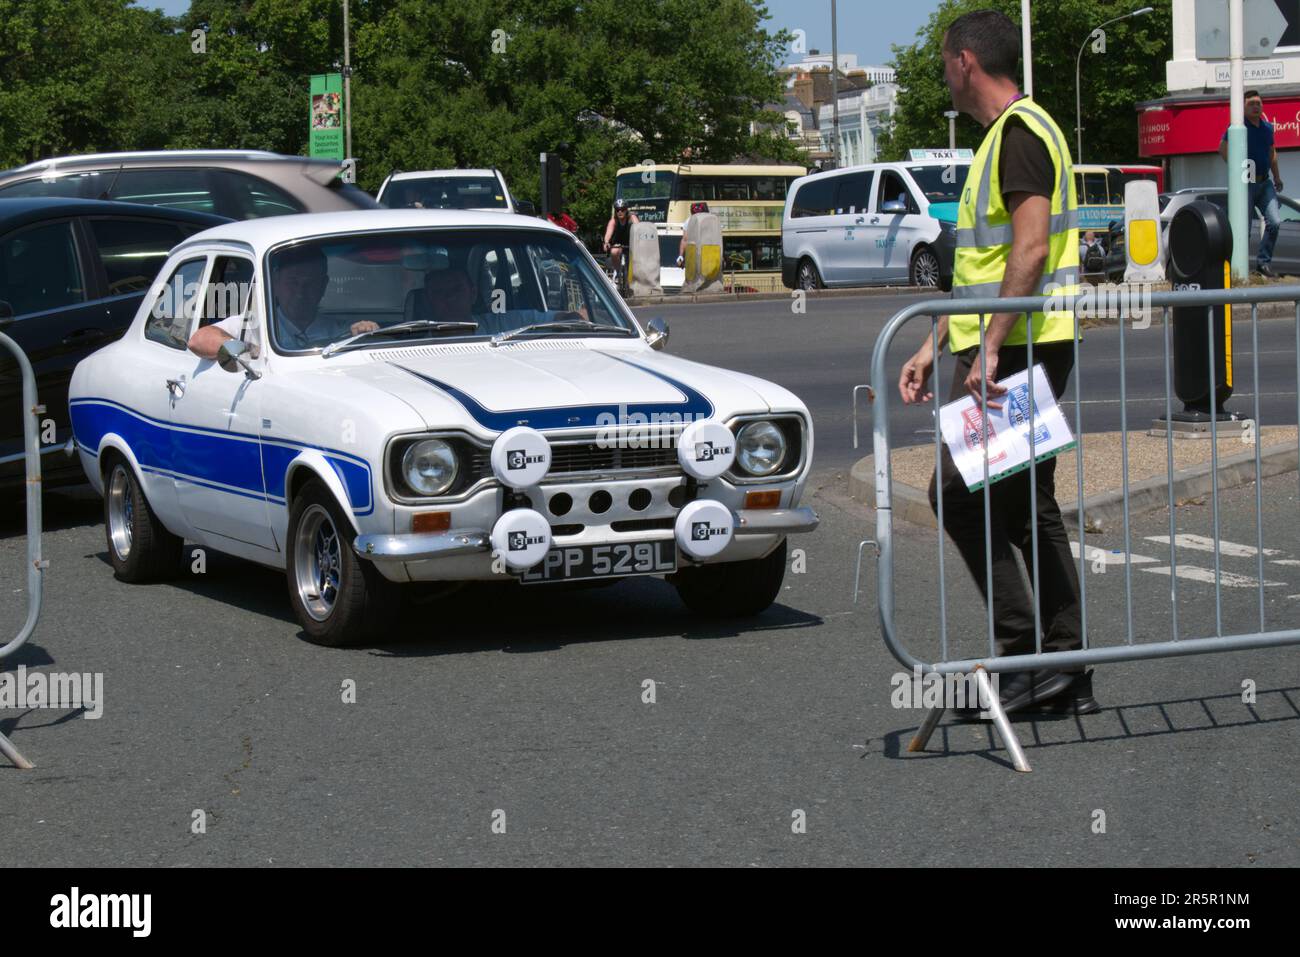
<point x="1078" y="95"/>
<point x="952" y="128"/>
<point x="835" y="91"/>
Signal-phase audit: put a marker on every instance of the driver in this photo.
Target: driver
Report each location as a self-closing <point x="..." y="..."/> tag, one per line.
<point x="299" y="277"/>
<point x="618" y="231"/>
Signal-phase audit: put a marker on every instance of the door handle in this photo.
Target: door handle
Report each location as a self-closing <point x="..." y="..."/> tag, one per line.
<point x="83" y="336"/>
<point x="874" y="220"/>
<point x="859" y="220"/>
<point x="176" y="387"/>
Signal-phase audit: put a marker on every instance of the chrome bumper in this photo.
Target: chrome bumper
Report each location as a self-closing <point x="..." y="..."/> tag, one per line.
<point x="421" y="546"/>
<point x="775" y="521"/>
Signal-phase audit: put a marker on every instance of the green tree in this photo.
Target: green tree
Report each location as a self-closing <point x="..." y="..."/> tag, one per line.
<point x="1131" y="69"/>
<point x="603" y="83"/>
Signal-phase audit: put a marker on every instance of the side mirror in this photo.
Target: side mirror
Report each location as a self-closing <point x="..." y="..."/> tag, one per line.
<point x="524" y="208"/>
<point x="234" y="356"/>
<point x="657" y="334"/>
<point x="894" y="206"/>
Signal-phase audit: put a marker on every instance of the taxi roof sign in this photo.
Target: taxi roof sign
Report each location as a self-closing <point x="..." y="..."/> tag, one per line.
<point x="960" y="154"/>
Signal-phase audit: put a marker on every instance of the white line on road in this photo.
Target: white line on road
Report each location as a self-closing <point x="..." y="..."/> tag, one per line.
<point x="1197" y="574"/>
<point x="1200" y="543"/>
<point x="1285" y="561"/>
<point x="1113" y="556"/>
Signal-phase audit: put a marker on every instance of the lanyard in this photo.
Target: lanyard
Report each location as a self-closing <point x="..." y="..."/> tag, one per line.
<point x="1018" y="96"/>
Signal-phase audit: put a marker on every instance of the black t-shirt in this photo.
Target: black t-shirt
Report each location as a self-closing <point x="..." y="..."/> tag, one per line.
<point x="1024" y="165"/>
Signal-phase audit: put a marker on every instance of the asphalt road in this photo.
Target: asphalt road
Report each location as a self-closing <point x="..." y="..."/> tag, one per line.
<point x="823" y="353"/>
<point x="531" y="704"/>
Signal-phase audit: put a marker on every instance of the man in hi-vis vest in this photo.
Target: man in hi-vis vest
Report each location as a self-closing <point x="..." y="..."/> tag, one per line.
<point x="1016" y="236"/>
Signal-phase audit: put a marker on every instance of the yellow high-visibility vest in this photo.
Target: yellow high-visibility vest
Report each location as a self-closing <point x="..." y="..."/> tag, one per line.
<point x="984" y="235"/>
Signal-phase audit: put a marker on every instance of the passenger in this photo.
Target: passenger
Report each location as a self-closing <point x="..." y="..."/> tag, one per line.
<point x="299" y="277"/>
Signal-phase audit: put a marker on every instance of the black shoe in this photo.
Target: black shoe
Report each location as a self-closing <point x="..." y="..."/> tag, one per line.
<point x="1076" y="699"/>
<point x="1264" y="270"/>
<point x="1023" y="689"/>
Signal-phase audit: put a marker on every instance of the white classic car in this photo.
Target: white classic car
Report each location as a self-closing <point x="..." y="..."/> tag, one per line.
<point x="416" y="396"/>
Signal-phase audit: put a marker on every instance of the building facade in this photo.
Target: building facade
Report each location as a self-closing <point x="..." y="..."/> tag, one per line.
<point x="1182" y="130"/>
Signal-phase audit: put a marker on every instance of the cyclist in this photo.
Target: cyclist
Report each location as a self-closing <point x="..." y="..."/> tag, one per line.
<point x="618" y="232"/>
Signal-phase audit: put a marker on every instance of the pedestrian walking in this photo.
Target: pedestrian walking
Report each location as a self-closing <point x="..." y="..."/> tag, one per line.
<point x="1016" y="236"/>
<point x="1260" y="155"/>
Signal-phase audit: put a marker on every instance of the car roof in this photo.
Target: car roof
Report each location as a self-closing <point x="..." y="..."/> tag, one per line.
<point x="442" y="173"/>
<point x="262" y="234"/>
<point x="14" y="212"/>
<point x="152" y="157"/>
<point x="896" y="164"/>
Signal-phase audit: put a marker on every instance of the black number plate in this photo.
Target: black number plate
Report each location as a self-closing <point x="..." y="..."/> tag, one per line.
<point x="571" y="563"/>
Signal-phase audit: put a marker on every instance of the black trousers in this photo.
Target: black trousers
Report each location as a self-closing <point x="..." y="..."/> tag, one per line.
<point x="1010" y="526"/>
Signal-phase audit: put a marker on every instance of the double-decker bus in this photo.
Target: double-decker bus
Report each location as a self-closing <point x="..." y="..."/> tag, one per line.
<point x="1099" y="191"/>
<point x="748" y="200"/>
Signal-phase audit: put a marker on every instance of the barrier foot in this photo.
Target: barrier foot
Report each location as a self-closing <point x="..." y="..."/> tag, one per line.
<point x="922" y="736"/>
<point x="13" y="754"/>
<point x="1005" y="731"/>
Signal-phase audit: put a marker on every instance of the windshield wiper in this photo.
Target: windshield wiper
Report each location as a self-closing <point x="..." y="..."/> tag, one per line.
<point x="418" y="325"/>
<point x="571" y="325"/>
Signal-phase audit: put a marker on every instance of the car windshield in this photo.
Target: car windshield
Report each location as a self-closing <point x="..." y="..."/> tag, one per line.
<point x="445" y="192"/>
<point x="501" y="280"/>
<point x="941" y="184"/>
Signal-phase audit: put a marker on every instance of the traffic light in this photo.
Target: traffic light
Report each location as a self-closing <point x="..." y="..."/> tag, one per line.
<point x="1200" y="247"/>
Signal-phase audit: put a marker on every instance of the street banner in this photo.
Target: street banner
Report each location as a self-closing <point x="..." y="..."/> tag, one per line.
<point x="326" y="116"/>
<point x="962" y="425"/>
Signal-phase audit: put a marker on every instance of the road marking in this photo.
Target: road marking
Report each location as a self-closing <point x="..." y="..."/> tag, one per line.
<point x="1197" y="574"/>
<point x="1286" y="561"/>
<point x="1113" y="556"/>
<point x="1200" y="543"/>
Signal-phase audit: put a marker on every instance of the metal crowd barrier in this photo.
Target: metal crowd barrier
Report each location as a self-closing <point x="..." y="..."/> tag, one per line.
<point x="35" y="564"/>
<point x="885" y="374"/>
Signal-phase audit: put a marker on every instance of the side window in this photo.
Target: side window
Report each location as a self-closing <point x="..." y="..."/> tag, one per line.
<point x="174" y="309"/>
<point x="852" y="193"/>
<point x="40" y="270"/>
<point x="64" y="186"/>
<point x="171" y="188"/>
<point x="255" y="197"/>
<point x="816" y="197"/>
<point x="893" y="188"/>
<point x="1078" y="189"/>
<point x="229" y="290"/>
<point x="132" y="251"/>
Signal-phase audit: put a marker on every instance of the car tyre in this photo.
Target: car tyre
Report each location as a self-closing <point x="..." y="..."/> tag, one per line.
<point x="733" y="589"/>
<point x="140" y="548"/>
<point x="339" y="599"/>
<point x="808" y="278"/>
<point x="924" y="270"/>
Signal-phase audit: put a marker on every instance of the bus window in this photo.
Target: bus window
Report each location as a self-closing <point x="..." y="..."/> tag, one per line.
<point x="1094" y="189"/>
<point x="649" y="200"/>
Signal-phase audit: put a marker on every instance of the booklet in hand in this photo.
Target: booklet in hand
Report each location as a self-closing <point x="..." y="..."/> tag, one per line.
<point x="1012" y="444"/>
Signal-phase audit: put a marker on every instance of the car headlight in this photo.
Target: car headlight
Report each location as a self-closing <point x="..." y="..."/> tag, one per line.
<point x="760" y="448"/>
<point x="430" y="466"/>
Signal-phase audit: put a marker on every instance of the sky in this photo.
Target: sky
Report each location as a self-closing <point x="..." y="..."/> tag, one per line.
<point x="865" y="27"/>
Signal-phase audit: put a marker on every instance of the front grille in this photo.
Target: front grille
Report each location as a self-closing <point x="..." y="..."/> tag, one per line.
<point x="576" y="458"/>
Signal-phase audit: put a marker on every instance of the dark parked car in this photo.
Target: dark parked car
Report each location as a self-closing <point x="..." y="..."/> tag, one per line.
<point x="239" y="184"/>
<point x="72" y="276"/>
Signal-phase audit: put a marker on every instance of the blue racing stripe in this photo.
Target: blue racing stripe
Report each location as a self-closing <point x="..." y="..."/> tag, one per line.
<point x="230" y="462"/>
<point x="694" y="405"/>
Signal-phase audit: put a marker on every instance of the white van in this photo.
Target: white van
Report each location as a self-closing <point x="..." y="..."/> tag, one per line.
<point x="880" y="223"/>
<point x="477" y="189"/>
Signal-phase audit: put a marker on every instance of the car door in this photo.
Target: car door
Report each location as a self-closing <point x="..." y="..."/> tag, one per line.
<point x="1286" y="254"/>
<point x="128" y="254"/>
<point x="901" y="230"/>
<point x="141" y="407"/>
<point x="852" y="234"/>
<point x="216" y="422"/>
<point x="48" y="292"/>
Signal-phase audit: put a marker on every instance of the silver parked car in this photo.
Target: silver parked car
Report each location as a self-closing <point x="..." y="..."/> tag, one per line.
<point x="237" y="184"/>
